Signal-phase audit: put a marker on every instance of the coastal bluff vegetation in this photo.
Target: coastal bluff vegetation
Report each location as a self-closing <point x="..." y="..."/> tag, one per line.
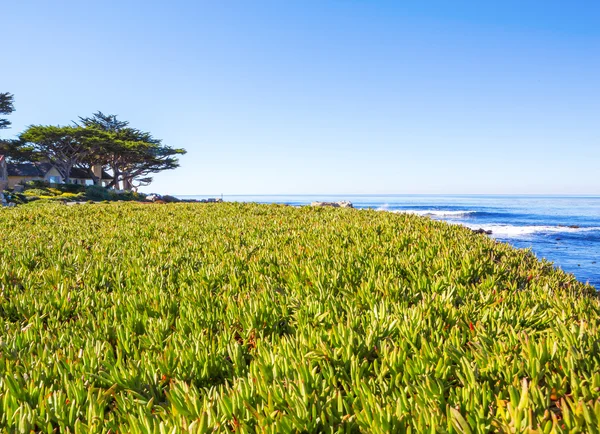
<point x="182" y="317"/>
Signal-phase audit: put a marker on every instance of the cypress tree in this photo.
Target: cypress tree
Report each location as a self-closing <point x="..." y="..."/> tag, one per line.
<point x="6" y="108"/>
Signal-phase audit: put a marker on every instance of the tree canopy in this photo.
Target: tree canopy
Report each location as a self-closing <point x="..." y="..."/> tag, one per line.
<point x="16" y="151"/>
<point x="99" y="141"/>
<point x="63" y="147"/>
<point x="6" y="108"/>
<point x="130" y="154"/>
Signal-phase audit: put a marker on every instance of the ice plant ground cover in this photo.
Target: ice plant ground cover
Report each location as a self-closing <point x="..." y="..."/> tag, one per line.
<point x="137" y="318"/>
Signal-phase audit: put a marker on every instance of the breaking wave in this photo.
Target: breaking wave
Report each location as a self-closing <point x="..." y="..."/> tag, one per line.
<point x="515" y="231"/>
<point x="429" y="212"/>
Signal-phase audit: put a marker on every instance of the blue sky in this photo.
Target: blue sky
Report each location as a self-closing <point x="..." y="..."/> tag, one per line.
<point x="318" y="96"/>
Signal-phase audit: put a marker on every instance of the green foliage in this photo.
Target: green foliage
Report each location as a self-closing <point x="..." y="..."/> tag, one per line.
<point x="128" y="196"/>
<point x="252" y="318"/>
<point x="38" y="183"/>
<point x="16" y="151"/>
<point x="16" y="198"/>
<point x="97" y="192"/>
<point x="63" y="147"/>
<point x="130" y="153"/>
<point x="72" y="196"/>
<point x="101" y="141"/>
<point x="71" y="188"/>
<point x="38" y="192"/>
<point x="6" y="108"/>
<point x="62" y="192"/>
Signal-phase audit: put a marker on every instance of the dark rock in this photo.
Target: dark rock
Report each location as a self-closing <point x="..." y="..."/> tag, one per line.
<point x="482" y="231"/>
<point x="170" y="199"/>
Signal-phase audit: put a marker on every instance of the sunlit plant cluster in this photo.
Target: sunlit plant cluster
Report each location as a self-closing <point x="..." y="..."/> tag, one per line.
<point x="146" y="318"/>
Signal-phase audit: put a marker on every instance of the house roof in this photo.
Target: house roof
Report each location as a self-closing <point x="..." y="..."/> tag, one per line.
<point x="78" y="173"/>
<point x="40" y="170"/>
<point x="28" y="169"/>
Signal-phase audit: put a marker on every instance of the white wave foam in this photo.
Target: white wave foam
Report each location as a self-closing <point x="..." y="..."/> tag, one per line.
<point x="429" y="212"/>
<point x="500" y="229"/>
<point x="516" y="231"/>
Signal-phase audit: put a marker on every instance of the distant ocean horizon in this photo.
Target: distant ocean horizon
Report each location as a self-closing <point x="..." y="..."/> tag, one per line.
<point x="564" y="229"/>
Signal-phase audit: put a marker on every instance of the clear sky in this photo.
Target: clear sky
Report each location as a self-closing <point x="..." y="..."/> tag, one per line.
<point x="325" y="96"/>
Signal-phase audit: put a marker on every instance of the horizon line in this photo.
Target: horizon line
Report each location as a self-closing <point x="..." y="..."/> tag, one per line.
<point x="397" y="194"/>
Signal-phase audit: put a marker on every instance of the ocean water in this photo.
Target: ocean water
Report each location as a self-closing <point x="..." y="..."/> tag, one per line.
<point x="561" y="229"/>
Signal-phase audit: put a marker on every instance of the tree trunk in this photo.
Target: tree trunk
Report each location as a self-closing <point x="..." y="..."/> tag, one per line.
<point x="90" y="172"/>
<point x="65" y="172"/>
<point x="116" y="175"/>
<point x="126" y="182"/>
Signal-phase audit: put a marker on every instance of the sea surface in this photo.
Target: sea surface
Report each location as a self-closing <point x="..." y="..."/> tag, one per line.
<point x="562" y="229"/>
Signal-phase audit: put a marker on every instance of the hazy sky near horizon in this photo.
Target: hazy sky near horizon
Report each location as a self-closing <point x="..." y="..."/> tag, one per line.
<point x="325" y="96"/>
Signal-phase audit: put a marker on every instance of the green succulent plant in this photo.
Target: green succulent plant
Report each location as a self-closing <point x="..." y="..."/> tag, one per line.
<point x="164" y="318"/>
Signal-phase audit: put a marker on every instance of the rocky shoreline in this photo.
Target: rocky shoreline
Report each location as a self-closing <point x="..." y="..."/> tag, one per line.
<point x="340" y="204"/>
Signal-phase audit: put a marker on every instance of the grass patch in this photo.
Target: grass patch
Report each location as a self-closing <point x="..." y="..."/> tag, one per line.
<point x="241" y="317"/>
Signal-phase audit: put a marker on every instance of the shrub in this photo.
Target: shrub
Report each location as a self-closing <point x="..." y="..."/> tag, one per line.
<point x="42" y="197"/>
<point x="132" y="195"/>
<point x="16" y="198"/>
<point x="37" y="192"/>
<point x="38" y="183"/>
<point x="126" y="196"/>
<point x="80" y="195"/>
<point x="97" y="192"/>
<point x="71" y="188"/>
